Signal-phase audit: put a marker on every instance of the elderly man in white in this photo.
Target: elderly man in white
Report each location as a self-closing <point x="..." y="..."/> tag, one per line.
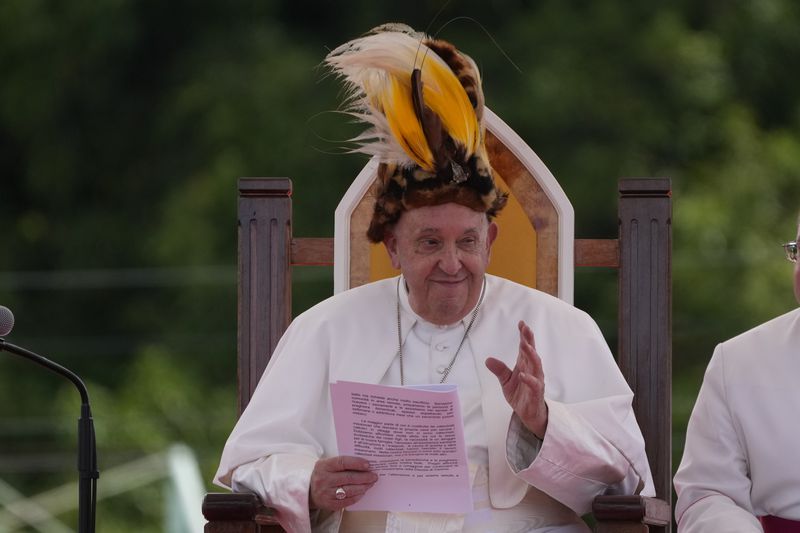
<point x="741" y="465"/>
<point x="548" y="422"/>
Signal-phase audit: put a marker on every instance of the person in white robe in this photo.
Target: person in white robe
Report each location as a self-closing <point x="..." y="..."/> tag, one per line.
<point x="741" y="463"/>
<point x="547" y="415"/>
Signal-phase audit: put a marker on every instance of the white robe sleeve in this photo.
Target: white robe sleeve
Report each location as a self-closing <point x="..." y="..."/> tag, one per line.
<point x="576" y="461"/>
<point x="285" y="429"/>
<point x="282" y="480"/>
<point x="592" y="445"/>
<point x="713" y="482"/>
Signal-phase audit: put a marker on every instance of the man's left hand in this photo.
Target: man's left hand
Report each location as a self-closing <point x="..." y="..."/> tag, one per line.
<point x="523" y="386"/>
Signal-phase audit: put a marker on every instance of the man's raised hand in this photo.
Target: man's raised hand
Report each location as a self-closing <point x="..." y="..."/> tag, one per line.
<point x="523" y="387"/>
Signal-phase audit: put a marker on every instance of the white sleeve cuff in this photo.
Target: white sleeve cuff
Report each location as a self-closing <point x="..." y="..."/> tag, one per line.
<point x="281" y="481"/>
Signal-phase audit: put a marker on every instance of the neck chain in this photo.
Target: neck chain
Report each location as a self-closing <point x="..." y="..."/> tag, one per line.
<point x="464" y="338"/>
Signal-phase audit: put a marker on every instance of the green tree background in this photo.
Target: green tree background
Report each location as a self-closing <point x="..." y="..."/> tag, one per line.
<point x="125" y="124"/>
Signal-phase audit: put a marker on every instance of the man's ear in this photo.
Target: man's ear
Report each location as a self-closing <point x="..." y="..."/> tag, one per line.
<point x="491" y="234"/>
<point x="390" y="242"/>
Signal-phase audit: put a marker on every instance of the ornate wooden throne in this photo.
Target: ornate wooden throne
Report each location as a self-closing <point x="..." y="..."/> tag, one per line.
<point x="536" y="247"/>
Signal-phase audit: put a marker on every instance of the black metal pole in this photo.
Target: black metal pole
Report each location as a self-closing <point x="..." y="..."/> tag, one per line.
<point x="87" y="470"/>
<point x="87" y="447"/>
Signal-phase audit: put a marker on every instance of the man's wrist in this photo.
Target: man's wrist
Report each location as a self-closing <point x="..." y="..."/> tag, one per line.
<point x="537" y="427"/>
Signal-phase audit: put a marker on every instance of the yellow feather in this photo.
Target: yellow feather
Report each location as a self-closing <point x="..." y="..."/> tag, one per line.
<point x="380" y="66"/>
<point x="399" y="111"/>
<point x="446" y="97"/>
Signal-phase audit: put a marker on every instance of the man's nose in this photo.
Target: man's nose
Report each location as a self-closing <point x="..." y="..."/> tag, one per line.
<point x="450" y="260"/>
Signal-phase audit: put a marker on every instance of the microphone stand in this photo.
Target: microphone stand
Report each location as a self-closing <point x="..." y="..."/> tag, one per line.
<point x="87" y="448"/>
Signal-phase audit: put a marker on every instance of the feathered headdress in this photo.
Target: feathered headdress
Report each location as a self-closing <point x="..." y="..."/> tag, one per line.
<point x="423" y="101"/>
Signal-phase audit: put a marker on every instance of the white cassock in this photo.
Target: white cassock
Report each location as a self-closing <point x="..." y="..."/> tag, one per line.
<point x="742" y="454"/>
<point x="592" y="445"/>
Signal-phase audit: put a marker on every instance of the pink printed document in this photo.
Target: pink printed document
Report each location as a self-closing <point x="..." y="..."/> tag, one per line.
<point x="413" y="438"/>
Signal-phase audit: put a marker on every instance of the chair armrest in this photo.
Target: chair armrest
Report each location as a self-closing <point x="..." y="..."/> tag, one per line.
<point x="220" y="508"/>
<point x="636" y="509"/>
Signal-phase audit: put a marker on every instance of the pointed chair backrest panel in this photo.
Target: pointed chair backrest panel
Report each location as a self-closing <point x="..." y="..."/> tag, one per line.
<point x="535" y="244"/>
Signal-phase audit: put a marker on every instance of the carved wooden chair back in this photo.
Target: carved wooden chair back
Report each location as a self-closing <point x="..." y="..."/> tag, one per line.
<point x="536" y="247"/>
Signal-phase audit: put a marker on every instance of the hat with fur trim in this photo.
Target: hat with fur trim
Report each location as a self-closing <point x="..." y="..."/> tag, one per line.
<point x="423" y="101"/>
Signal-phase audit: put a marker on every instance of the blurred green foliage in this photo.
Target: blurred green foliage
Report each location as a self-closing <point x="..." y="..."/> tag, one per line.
<point x="125" y="124"/>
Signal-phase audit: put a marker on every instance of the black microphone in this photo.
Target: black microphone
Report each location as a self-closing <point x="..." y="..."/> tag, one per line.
<point x="87" y="448"/>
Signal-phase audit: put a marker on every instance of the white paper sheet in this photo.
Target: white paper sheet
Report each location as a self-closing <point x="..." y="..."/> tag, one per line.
<point x="413" y="438"/>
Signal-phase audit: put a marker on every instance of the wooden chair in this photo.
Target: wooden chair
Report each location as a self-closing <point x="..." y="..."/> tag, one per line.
<point x="536" y="246"/>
